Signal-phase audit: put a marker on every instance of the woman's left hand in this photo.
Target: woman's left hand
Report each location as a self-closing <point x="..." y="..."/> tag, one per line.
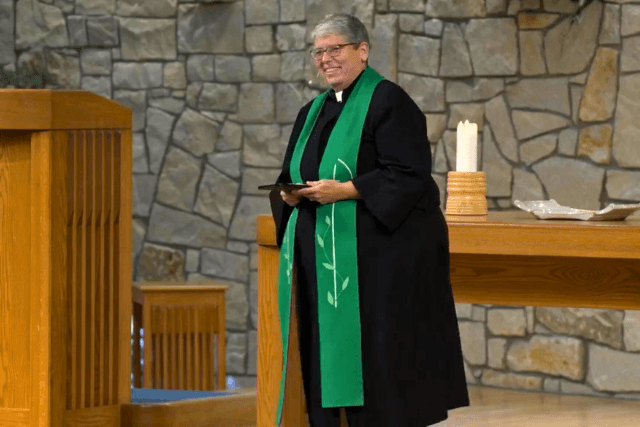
<point x="323" y="191"/>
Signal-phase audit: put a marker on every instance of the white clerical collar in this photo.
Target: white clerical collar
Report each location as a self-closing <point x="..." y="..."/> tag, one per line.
<point x="339" y="96"/>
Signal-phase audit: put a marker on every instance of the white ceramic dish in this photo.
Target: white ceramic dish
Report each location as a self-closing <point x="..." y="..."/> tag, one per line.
<point x="550" y="209"/>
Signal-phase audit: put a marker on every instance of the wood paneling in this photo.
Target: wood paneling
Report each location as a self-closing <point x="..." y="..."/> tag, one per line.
<point x="44" y="109"/>
<point x="106" y="415"/>
<point x="95" y="280"/>
<point x="546" y="281"/>
<point x="15" y="268"/>
<point x="15" y="417"/>
<point x="270" y="351"/>
<point x="519" y="233"/>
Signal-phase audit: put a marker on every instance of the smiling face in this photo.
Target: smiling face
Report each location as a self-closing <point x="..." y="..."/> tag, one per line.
<point x="342" y="69"/>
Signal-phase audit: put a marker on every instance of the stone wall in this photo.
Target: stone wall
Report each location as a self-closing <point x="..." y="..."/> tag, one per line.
<point x="215" y="87"/>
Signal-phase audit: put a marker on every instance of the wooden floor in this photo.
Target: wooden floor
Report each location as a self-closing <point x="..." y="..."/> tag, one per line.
<point x="498" y="407"/>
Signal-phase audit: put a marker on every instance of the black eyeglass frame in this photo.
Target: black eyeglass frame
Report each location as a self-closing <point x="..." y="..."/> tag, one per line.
<point x="333" y="51"/>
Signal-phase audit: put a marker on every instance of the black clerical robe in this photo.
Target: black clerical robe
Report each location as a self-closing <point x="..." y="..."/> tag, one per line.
<point x="412" y="360"/>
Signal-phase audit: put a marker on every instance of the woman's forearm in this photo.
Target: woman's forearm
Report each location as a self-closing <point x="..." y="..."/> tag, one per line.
<point x="349" y="191"/>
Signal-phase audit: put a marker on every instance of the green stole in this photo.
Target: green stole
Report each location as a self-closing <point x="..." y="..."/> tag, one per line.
<point x="341" y="380"/>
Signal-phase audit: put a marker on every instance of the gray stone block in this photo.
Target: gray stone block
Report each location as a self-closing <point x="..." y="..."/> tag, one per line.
<point x="418" y="55"/>
<point x="98" y="85"/>
<point x="172" y="226"/>
<point x="137" y="101"/>
<point x="411" y="23"/>
<point x="624" y="378"/>
<point x="262" y="11"/>
<point x="254" y="177"/>
<point x="230" y="137"/>
<point x="497" y="115"/>
<point x="546" y="94"/>
<point x="144" y="191"/>
<point x="529" y="124"/>
<point x="169" y="104"/>
<point x="427" y="92"/>
<point x="493" y="46"/>
<point x="63" y="69"/>
<point x="148" y="8"/>
<point x="211" y="28"/>
<point x="266" y="68"/>
<point x="220" y="97"/>
<point x="292" y="11"/>
<point x="253" y="352"/>
<point x="145" y="39"/>
<point x="289" y="100"/>
<point x="200" y="68"/>
<point x="264" y="146"/>
<point x="291" y="37"/>
<point x="95" y="61"/>
<point x="227" y="163"/>
<point x="384" y="46"/>
<point x="455" y="53"/>
<point x="433" y="27"/>
<point x="226" y="265"/>
<point x="292" y="66"/>
<point x="139" y="154"/>
<point x="610" y="31"/>
<point x="77" y="26"/>
<point x="256" y="103"/>
<point x="231" y="69"/>
<point x="102" y="31"/>
<point x="178" y="180"/>
<point x="158" y="131"/>
<point x="259" y="39"/>
<point x="569" y="47"/>
<point x="580" y="186"/>
<point x="38" y="24"/>
<point x="196" y="133"/>
<point x="236" y="353"/>
<point x="243" y="225"/>
<point x="192" y="263"/>
<point x="217" y="195"/>
<point x="95" y="7"/>
<point x="498" y="182"/>
<point x="131" y="75"/>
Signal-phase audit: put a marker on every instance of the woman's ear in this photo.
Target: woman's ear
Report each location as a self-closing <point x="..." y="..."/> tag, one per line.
<point x="364" y="51"/>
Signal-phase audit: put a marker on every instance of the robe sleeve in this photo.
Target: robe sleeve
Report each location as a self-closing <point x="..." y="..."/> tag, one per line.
<point x="280" y="210"/>
<point x="403" y="173"/>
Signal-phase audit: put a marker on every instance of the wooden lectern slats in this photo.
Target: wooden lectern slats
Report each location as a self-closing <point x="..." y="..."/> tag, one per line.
<point x="180" y="334"/>
<point x="103" y="296"/>
<point x="122" y="316"/>
<point x="112" y="171"/>
<point x="83" y="274"/>
<point x="72" y="276"/>
<point x="196" y="348"/>
<point x="165" y="349"/>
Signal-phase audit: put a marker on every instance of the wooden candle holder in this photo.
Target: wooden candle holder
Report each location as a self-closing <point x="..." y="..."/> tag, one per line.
<point x="467" y="196"/>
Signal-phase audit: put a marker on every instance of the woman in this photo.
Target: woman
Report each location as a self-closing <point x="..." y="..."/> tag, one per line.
<point x="366" y="246"/>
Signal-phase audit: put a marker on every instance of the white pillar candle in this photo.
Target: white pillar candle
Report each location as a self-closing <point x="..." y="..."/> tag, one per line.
<point x="467" y="147"/>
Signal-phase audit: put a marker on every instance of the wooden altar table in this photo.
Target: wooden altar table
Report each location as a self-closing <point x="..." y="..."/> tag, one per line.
<point x="511" y="259"/>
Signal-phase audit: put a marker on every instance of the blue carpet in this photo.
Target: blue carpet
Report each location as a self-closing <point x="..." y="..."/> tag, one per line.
<point x="150" y="395"/>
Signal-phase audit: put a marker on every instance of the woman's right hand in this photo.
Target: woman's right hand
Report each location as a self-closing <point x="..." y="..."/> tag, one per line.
<point x="289" y="198"/>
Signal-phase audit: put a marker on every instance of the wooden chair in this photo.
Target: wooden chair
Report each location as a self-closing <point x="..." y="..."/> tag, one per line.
<point x="181" y="324"/>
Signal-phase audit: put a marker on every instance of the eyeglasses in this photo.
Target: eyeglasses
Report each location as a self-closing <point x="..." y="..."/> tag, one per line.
<point x="333" y="51"/>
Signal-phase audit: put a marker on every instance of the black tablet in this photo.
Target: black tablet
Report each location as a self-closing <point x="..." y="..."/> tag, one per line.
<point x="282" y="186"/>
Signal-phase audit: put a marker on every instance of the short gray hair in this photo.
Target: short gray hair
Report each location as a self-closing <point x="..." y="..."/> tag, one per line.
<point x="342" y="24"/>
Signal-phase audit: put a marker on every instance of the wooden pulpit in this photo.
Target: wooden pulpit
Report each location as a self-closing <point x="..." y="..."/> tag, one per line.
<point x="65" y="259"/>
